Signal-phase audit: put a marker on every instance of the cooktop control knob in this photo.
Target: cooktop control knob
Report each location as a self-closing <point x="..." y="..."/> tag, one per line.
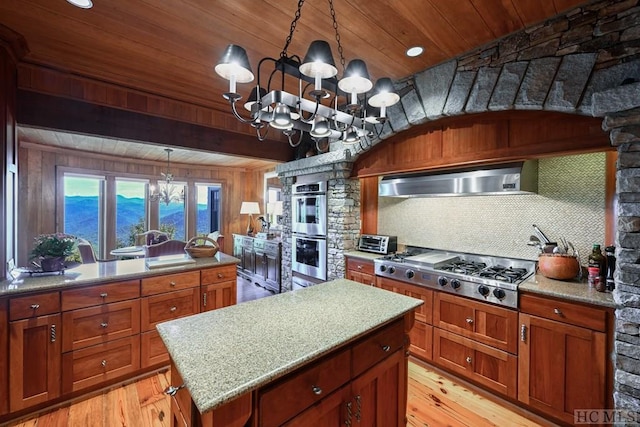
<point x="455" y="283"/>
<point x="484" y="291"/>
<point x="409" y="274"/>
<point x="442" y="281"/>
<point x="499" y="293"/>
<point x="392" y="269"/>
<point x="383" y="268"/>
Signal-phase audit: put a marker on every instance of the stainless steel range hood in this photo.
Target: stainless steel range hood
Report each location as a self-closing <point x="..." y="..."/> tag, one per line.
<point x="512" y="178"/>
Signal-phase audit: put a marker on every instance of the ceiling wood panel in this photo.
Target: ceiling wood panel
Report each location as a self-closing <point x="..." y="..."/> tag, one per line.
<point x="170" y="47"/>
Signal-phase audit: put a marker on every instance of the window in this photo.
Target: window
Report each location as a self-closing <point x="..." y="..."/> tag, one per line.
<point x="131" y="217"/>
<point x="208" y="208"/>
<point x="83" y="215"/>
<point x="171" y="216"/>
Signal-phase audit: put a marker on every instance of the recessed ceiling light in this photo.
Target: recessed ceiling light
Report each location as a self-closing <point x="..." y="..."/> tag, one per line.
<point x="84" y="4"/>
<point x="412" y="51"/>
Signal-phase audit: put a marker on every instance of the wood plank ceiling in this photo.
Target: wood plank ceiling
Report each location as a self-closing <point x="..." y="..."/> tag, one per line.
<point x="170" y="47"/>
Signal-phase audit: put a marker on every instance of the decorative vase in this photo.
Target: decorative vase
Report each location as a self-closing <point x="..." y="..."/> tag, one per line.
<point x="52" y="263"/>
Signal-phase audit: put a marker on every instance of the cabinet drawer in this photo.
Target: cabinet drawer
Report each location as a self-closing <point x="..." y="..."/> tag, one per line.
<point x="168" y="306"/>
<point x="359" y="265"/>
<point x="152" y="350"/>
<point x="170" y="282"/>
<point x="100" y="294"/>
<point x="381" y="344"/>
<point x="303" y="388"/>
<point x="421" y="339"/>
<point x="590" y="317"/>
<point x="486" y="323"/>
<point x="218" y="275"/>
<point x="96" y="325"/>
<point x="94" y="365"/>
<point x="34" y="305"/>
<point x="485" y="365"/>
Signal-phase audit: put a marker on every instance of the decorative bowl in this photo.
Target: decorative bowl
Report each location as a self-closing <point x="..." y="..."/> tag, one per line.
<point x="558" y="266"/>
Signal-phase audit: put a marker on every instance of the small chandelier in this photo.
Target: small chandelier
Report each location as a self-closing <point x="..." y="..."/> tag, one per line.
<point x="352" y="120"/>
<point x="167" y="192"/>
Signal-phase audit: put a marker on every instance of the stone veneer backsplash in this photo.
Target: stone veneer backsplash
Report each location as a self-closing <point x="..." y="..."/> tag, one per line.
<point x="570" y="203"/>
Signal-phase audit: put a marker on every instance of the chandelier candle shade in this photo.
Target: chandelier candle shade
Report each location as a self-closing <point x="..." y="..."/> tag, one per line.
<point x="250" y="208"/>
<point x="353" y="109"/>
<point x="167" y="192"/>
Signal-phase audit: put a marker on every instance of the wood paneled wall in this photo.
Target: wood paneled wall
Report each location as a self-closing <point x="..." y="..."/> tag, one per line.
<point x="38" y="209"/>
<point x="484" y="138"/>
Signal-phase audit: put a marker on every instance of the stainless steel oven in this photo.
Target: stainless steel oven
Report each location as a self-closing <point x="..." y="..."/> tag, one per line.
<point x="309" y="256"/>
<point x="309" y="209"/>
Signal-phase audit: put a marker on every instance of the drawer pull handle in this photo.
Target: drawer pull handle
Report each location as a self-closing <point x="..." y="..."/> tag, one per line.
<point x="103" y="295"/>
<point x="358" y="408"/>
<point x="220" y="275"/>
<point x="359" y="267"/>
<point x="104" y="324"/>
<point x="53" y="333"/>
<point x="386" y="348"/>
<point x="103" y="363"/>
<point x="172" y="283"/>
<point x="468" y="359"/>
<point x="172" y="309"/>
<point x="558" y="312"/>
<point x="35" y="306"/>
<point x="349" y="415"/>
<point x="469" y="320"/>
<point x="523" y="333"/>
<point x="171" y="390"/>
<point x="316" y="390"/>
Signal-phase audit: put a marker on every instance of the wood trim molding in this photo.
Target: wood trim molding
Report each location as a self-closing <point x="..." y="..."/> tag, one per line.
<point x="610" y="198"/>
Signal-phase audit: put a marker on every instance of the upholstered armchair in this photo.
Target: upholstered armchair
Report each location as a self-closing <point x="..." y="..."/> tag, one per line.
<point x="87" y="254"/>
<point x="151" y="237"/>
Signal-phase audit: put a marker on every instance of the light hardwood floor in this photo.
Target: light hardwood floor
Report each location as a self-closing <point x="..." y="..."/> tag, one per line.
<point x="434" y="401"/>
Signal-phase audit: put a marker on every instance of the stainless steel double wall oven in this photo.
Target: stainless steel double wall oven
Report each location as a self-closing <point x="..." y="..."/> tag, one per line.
<point x="309" y="228"/>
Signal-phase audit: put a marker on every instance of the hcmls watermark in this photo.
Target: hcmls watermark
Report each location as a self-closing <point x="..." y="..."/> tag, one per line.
<point x="606" y="416"/>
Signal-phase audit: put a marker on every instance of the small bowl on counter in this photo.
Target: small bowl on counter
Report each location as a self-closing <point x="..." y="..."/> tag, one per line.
<point x="558" y="266"/>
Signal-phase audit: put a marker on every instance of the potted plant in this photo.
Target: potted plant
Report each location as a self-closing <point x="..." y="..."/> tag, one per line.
<point x="51" y="250"/>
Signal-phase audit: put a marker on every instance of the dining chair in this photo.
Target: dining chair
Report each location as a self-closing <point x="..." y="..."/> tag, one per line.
<point x="168" y="247"/>
<point x="151" y="237"/>
<point x="87" y="254"/>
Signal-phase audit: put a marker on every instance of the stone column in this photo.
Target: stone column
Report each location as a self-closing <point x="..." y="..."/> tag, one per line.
<point x="343" y="221"/>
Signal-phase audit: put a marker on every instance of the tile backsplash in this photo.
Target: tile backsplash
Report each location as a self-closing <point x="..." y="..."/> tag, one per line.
<point x="570" y="203"/>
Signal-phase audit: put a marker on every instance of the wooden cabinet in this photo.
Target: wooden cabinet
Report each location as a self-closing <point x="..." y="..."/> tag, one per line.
<point x="476" y="340"/>
<point x="4" y="356"/>
<point x="261" y="261"/>
<point x="100" y="294"/>
<point x="361" y="271"/>
<point x="361" y="383"/>
<point x="562" y="360"/>
<point x="34" y="355"/>
<point x="219" y="288"/>
<point x="421" y="335"/>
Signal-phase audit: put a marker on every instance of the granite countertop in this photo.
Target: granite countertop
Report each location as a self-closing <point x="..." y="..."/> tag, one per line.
<point x="574" y="290"/>
<point x="225" y="353"/>
<point x="105" y="272"/>
<point x="370" y="256"/>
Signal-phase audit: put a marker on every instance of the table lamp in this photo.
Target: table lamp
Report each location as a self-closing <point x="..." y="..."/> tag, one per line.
<point x="250" y="208"/>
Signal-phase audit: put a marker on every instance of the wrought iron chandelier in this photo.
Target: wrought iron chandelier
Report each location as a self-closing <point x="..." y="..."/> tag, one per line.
<point x="351" y="109"/>
<point x="167" y="192"/>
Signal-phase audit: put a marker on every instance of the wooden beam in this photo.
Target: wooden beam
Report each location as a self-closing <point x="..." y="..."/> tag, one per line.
<point x="52" y="112"/>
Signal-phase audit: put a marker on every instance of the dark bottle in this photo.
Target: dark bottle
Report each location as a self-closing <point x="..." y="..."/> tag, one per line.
<point x="597" y="269"/>
<point x="610" y="253"/>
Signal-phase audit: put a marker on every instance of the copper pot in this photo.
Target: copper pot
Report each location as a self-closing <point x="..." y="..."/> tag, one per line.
<point x="558" y="266"/>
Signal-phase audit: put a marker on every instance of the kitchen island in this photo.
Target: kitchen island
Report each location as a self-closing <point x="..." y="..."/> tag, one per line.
<point x="317" y="353"/>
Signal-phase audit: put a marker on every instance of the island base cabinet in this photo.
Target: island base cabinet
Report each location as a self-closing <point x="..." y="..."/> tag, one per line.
<point x="561" y="367"/>
<point x="4" y="357"/>
<point x="34" y="357"/>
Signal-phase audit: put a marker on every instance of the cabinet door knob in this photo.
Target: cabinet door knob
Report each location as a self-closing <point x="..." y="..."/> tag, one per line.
<point x="523" y="333"/>
<point x="35" y="306"/>
<point x="316" y="390"/>
<point x="468" y="359"/>
<point x="558" y="312"/>
<point x="103" y="295"/>
<point x="172" y="283"/>
<point x="104" y="324"/>
<point x="359" y="267"/>
<point x="53" y="333"/>
<point x="220" y="275"/>
<point x="386" y="348"/>
<point x="103" y="363"/>
<point x="469" y="320"/>
<point x="349" y="415"/>
<point x="172" y="309"/>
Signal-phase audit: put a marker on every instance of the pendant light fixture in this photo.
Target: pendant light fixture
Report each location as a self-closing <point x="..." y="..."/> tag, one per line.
<point x="167" y="192"/>
<point x="324" y="106"/>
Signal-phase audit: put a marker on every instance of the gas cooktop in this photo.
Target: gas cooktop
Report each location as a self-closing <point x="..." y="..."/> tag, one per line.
<point x="489" y="278"/>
